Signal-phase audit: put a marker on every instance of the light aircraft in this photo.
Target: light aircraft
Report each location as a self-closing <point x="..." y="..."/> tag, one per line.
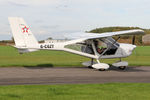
<point x="91" y="45"/>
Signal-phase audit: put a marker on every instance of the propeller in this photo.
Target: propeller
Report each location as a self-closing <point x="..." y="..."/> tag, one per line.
<point x="133" y="40"/>
<point x="135" y="52"/>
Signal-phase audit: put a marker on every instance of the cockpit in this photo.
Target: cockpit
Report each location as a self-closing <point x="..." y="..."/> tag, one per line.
<point x="106" y="46"/>
<point x="103" y="46"/>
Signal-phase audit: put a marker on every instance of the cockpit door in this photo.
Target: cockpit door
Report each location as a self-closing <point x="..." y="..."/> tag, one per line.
<point x="106" y="46"/>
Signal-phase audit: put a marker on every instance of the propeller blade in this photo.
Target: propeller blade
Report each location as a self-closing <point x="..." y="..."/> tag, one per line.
<point x="133" y="40"/>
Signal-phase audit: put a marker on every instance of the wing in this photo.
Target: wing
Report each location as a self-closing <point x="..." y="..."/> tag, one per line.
<point x="88" y="36"/>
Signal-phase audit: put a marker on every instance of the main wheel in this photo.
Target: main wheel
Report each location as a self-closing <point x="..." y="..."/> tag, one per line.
<point x="90" y="67"/>
<point x="102" y="69"/>
<point x="122" y="67"/>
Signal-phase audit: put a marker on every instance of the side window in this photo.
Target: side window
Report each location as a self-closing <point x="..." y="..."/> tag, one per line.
<point x="100" y="46"/>
<point x="107" y="45"/>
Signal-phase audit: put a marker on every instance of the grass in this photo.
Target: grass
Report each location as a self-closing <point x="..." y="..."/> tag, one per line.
<point x="9" y="56"/>
<point x="109" y="91"/>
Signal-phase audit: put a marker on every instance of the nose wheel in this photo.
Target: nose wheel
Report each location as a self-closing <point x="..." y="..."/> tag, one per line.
<point x="122" y="67"/>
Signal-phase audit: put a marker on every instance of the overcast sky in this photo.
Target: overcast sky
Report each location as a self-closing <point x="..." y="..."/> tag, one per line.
<point x="53" y="18"/>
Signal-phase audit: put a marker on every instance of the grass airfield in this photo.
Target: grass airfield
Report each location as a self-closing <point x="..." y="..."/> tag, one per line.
<point x="110" y="91"/>
<point x="9" y="57"/>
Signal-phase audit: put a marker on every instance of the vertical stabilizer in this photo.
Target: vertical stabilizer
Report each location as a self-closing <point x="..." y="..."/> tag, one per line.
<point x="21" y="32"/>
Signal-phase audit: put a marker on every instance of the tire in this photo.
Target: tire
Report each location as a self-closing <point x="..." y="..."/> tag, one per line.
<point x="122" y="67"/>
<point x="102" y="69"/>
<point x="90" y="67"/>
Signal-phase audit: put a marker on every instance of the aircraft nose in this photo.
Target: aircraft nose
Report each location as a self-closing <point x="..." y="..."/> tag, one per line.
<point x="134" y="46"/>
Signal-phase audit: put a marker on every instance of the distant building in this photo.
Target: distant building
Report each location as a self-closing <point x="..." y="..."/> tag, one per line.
<point x="146" y="39"/>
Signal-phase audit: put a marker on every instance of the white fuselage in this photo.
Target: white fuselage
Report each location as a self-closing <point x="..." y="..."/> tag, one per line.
<point x="124" y="50"/>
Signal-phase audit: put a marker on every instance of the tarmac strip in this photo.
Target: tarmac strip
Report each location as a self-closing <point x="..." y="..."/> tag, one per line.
<point x="69" y="75"/>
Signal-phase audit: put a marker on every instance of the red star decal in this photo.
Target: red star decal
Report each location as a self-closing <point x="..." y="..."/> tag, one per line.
<point x="25" y="29"/>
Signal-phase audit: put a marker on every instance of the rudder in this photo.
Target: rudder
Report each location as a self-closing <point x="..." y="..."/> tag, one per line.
<point x="21" y="32"/>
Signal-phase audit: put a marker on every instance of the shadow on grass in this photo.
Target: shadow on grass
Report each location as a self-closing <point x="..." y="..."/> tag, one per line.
<point x="128" y="69"/>
<point x="39" y="66"/>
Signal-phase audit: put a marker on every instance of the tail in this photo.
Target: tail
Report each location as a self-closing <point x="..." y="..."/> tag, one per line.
<point x="23" y="37"/>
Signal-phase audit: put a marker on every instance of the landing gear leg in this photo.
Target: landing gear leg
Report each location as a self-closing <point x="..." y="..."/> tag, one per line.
<point x="120" y="59"/>
<point x="92" y="62"/>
